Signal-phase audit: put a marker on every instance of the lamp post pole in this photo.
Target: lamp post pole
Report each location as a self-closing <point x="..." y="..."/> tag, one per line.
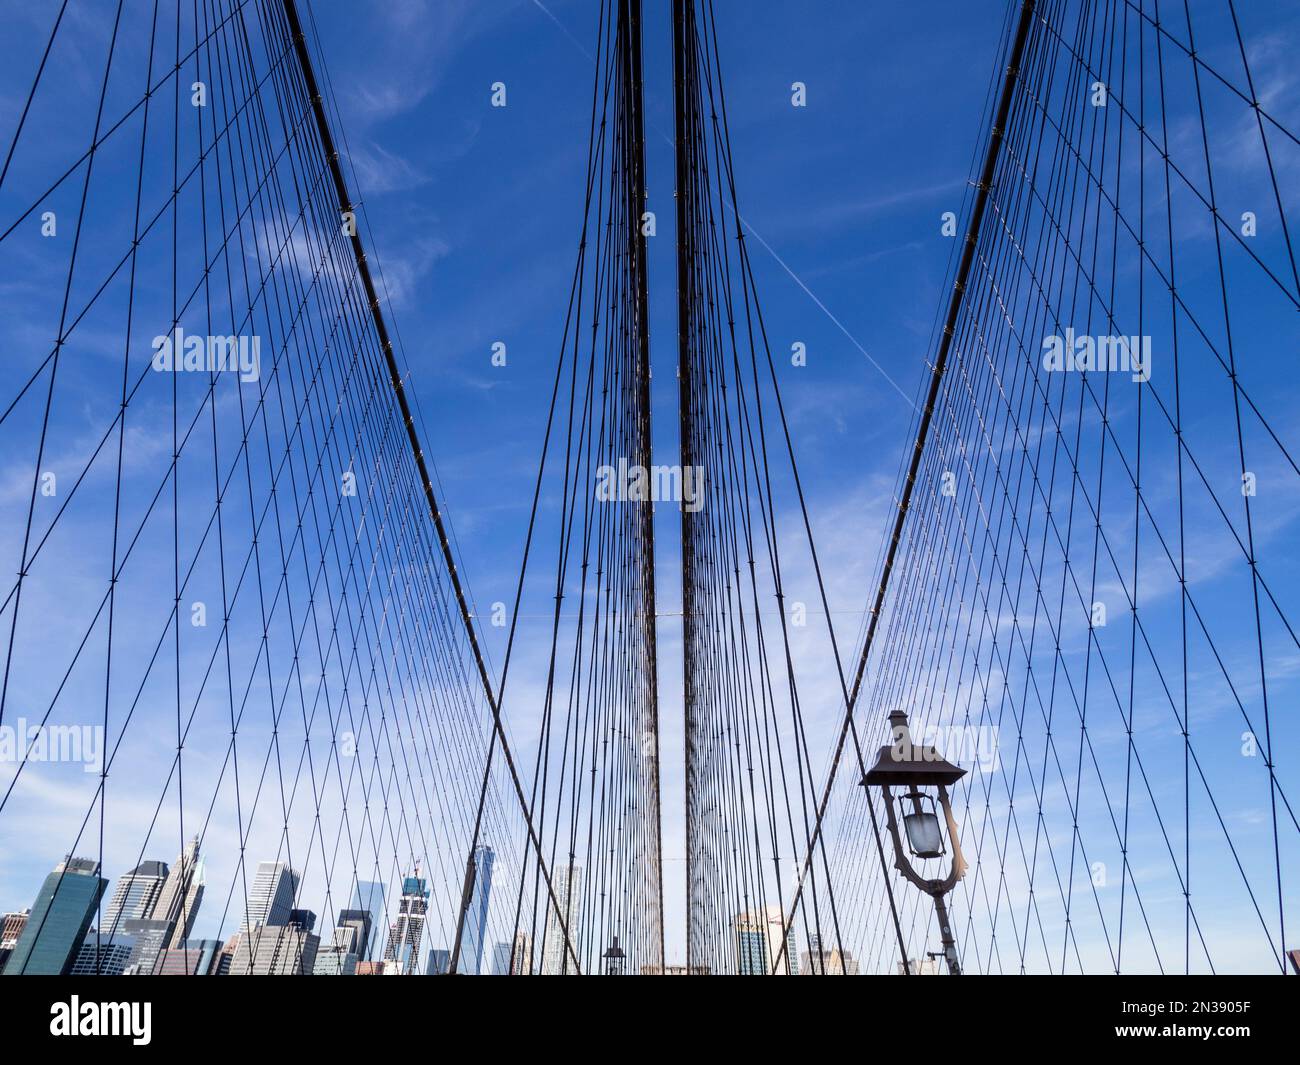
<point x="945" y="930"/>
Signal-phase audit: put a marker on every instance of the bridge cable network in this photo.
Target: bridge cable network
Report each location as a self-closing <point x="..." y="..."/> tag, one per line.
<point x="1084" y="593"/>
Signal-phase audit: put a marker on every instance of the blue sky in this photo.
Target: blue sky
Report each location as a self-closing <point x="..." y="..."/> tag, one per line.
<point x="474" y="214"/>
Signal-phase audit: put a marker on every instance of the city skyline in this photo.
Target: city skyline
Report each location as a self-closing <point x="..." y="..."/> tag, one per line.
<point x="276" y="938"/>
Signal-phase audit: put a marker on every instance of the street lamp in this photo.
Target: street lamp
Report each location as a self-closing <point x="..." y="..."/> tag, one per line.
<point x="902" y="764"/>
<point x="615" y="959"/>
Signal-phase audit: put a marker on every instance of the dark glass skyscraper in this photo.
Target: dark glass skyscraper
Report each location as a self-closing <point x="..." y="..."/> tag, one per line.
<point x="59" y="920"/>
<point x="470" y="961"/>
<point x="369" y="896"/>
<point x="362" y="924"/>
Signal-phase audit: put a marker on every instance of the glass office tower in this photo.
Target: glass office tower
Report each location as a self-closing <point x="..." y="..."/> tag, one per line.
<point x="369" y="896"/>
<point x="470" y="960"/>
<point x="60" y="918"/>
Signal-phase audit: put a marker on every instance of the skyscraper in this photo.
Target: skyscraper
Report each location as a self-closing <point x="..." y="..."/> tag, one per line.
<point x="439" y="963"/>
<point x="478" y="888"/>
<point x="287" y="949"/>
<point x="521" y="958"/>
<point x="60" y="917"/>
<point x="334" y="961"/>
<point x="102" y="954"/>
<point x="501" y="959"/>
<point x="339" y="958"/>
<point x="151" y="938"/>
<point x="135" y="895"/>
<point x="758" y="944"/>
<point x="819" y="960"/>
<point x="556" y="959"/>
<point x="362" y="925"/>
<point x="403" y="946"/>
<point x="221" y="963"/>
<point x="270" y="900"/>
<point x="181" y="894"/>
<point x="11" y="927"/>
<point x="511" y="959"/>
<point x="198" y="959"/>
<point x="369" y="896"/>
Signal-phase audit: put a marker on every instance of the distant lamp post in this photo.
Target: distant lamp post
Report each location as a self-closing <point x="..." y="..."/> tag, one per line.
<point x="615" y="959"/>
<point x="904" y="765"/>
